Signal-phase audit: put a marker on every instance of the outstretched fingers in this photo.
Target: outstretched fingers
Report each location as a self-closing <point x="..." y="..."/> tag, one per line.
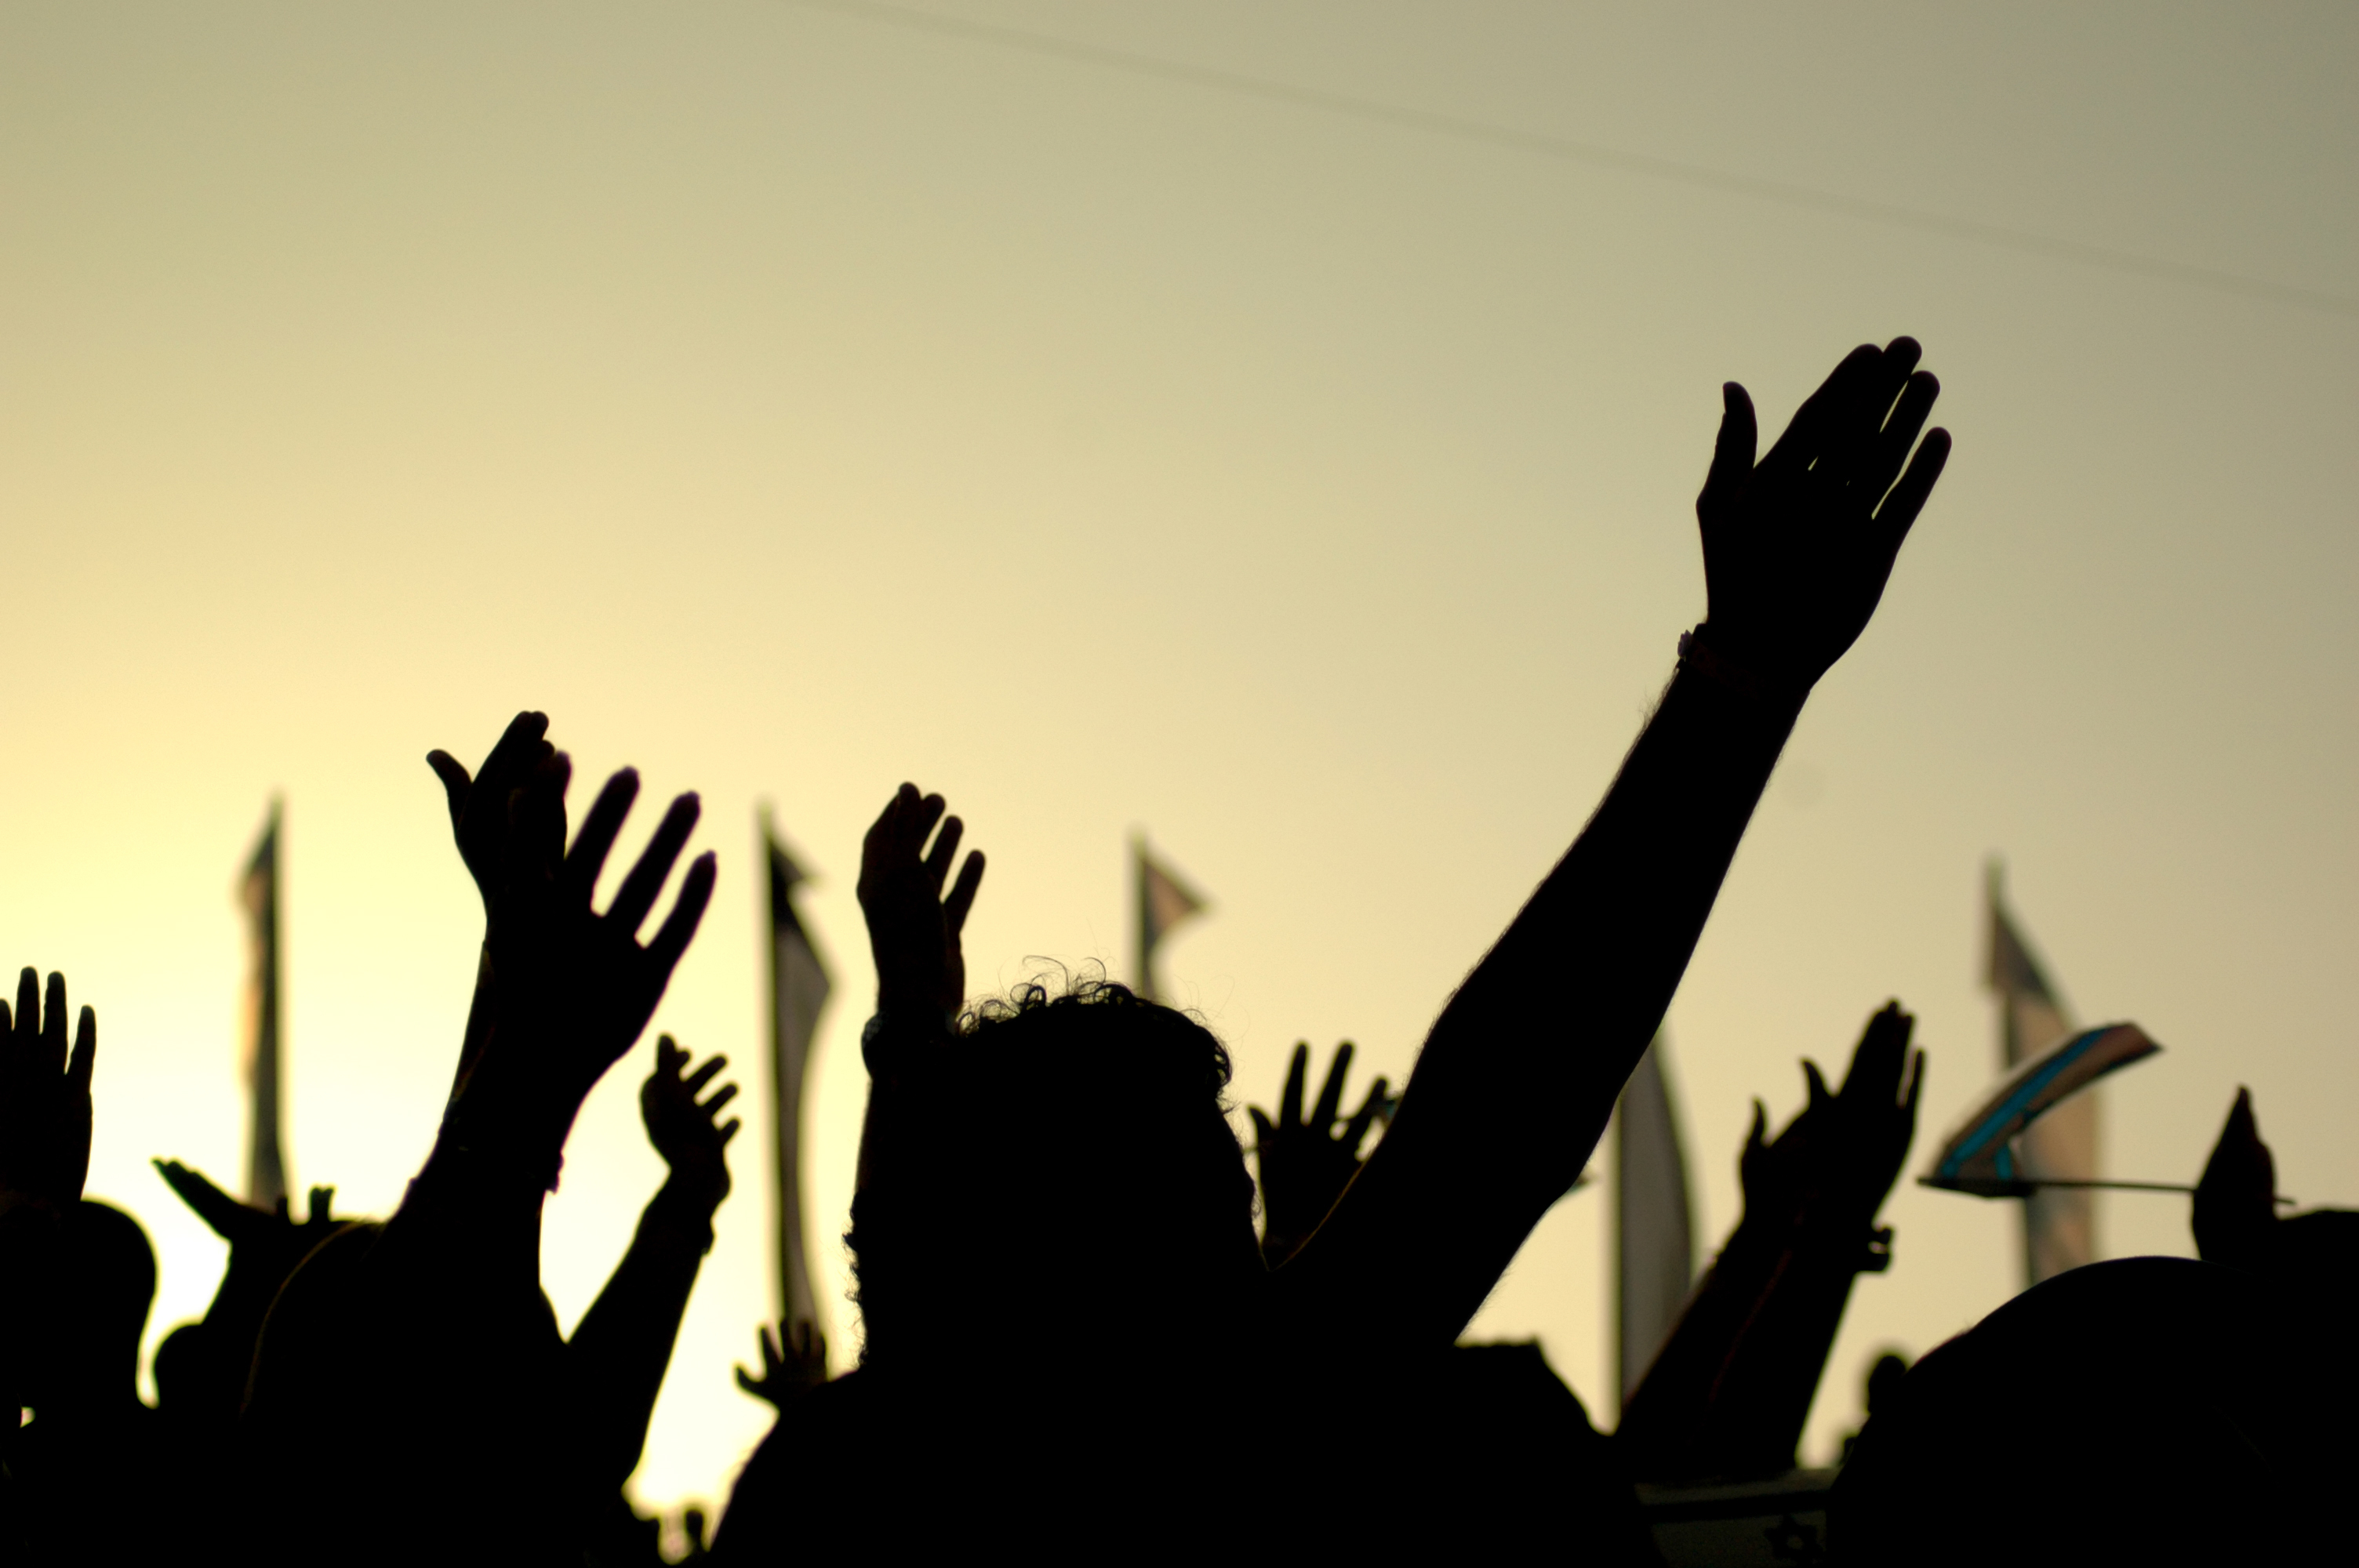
<point x="53" y="1027"/>
<point x="1289" y="1104"/>
<point x="84" y="1060"/>
<point x="687" y="913"/>
<point x="1365" y="1116"/>
<point x="961" y="895"/>
<point x="1330" y="1093"/>
<point x="595" y="842"/>
<point x="1907" y="498"/>
<point x="945" y="851"/>
<point x="1733" y="449"/>
<point x="640" y="889"/>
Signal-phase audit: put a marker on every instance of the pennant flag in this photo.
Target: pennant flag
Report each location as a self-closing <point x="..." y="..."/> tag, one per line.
<point x="798" y="987"/>
<point x="1164" y="901"/>
<point x="266" y="1160"/>
<point x="1981" y="1156"/>
<point x="2060" y="1223"/>
<point x="1654" y="1245"/>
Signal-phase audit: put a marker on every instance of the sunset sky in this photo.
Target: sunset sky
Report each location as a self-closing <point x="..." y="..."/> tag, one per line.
<point x="1272" y="427"/>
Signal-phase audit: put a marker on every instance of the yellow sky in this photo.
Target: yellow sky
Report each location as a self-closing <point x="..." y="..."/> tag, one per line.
<point x="791" y="401"/>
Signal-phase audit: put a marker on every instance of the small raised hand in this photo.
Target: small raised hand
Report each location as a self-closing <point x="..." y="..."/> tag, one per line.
<point x="686" y="1131"/>
<point x="913" y="927"/>
<point x="793" y="1363"/>
<point x="244" y="1225"/>
<point x="1305" y="1163"/>
<point x="1798" y="548"/>
<point x="45" y="1113"/>
<point x="2235" y="1218"/>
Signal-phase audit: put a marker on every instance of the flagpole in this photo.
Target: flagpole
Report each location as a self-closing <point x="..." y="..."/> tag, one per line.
<point x="265" y="1161"/>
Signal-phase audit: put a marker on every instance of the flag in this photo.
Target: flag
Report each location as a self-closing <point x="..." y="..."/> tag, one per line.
<point x="1981" y="1157"/>
<point x="265" y="1159"/>
<point x="2060" y="1229"/>
<point x="1654" y="1246"/>
<point x="799" y="989"/>
<point x="1164" y="901"/>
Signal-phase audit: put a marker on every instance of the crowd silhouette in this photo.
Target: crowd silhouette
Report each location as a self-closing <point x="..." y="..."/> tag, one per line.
<point x="1255" y="1352"/>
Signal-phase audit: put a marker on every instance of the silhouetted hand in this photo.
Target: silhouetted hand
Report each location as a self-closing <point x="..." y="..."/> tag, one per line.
<point x="1834" y="1164"/>
<point x="1306" y="1163"/>
<point x="236" y="1222"/>
<point x="913" y="929"/>
<point x="1797" y="548"/>
<point x="572" y="988"/>
<point x="484" y="808"/>
<point x="682" y="1130"/>
<point x="2235" y="1218"/>
<point x="45" y="1116"/>
<point x="790" y="1369"/>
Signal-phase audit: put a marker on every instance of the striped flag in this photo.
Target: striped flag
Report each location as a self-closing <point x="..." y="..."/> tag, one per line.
<point x="265" y="1158"/>
<point x="1164" y="901"/>
<point x="2059" y="1224"/>
<point x="1654" y="1245"/>
<point x="798" y="987"/>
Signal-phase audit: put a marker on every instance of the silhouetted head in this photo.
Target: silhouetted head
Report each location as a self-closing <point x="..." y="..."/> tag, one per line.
<point x="2136" y="1411"/>
<point x="1065" y="1157"/>
<point x="104" y="1282"/>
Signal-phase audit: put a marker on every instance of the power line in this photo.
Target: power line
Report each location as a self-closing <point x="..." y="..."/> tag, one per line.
<point x="1567" y="150"/>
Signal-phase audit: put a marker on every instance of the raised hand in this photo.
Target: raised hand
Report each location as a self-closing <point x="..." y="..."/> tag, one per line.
<point x="572" y="989"/>
<point x="1834" y="1163"/>
<point x="793" y="1363"/>
<point x="1305" y="1163"/>
<point x="913" y="928"/>
<point x="242" y="1223"/>
<point x="44" y="1116"/>
<point x="684" y="1130"/>
<point x="1797" y="548"/>
<point x="2235" y="1218"/>
<point x="483" y="807"/>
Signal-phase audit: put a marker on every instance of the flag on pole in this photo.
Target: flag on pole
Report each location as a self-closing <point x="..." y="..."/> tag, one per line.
<point x="265" y="1159"/>
<point x="1981" y="1157"/>
<point x="2059" y="1224"/>
<point x="798" y="988"/>
<point x="1164" y="901"/>
<point x="1654" y="1245"/>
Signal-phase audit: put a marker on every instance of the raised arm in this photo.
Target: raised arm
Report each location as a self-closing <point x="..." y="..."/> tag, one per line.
<point x="1730" y="1389"/>
<point x="1520" y="1071"/>
<point x="616" y="1358"/>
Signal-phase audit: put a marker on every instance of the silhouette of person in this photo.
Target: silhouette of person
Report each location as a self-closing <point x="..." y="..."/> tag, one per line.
<point x="202" y="1367"/>
<point x="421" y="1353"/>
<point x="1728" y="1393"/>
<point x="1066" y="1304"/>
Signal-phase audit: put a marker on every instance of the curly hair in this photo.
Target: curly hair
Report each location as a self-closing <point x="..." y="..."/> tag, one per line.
<point x="1067" y="1135"/>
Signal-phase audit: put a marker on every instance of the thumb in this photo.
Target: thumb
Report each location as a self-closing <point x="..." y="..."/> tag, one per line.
<point x="455" y="782"/>
<point x="1732" y="452"/>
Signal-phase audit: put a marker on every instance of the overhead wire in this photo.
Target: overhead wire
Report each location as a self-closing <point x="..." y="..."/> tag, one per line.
<point x="1592" y="154"/>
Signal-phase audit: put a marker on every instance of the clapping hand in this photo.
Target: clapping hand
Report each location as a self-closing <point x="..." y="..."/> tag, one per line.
<point x="1306" y="1163"/>
<point x="913" y="927"/>
<point x="1833" y="1163"/>
<point x="685" y="1130"/>
<point x="793" y="1363"/>
<point x="572" y="988"/>
<point x="44" y="1116"/>
<point x="1797" y="548"/>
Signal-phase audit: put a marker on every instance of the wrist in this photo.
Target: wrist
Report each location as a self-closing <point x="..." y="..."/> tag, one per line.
<point x="1724" y="659"/>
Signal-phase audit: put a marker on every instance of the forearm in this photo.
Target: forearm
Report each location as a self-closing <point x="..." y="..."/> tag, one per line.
<point x="1732" y="1388"/>
<point x="617" y="1356"/>
<point x="1520" y="1073"/>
